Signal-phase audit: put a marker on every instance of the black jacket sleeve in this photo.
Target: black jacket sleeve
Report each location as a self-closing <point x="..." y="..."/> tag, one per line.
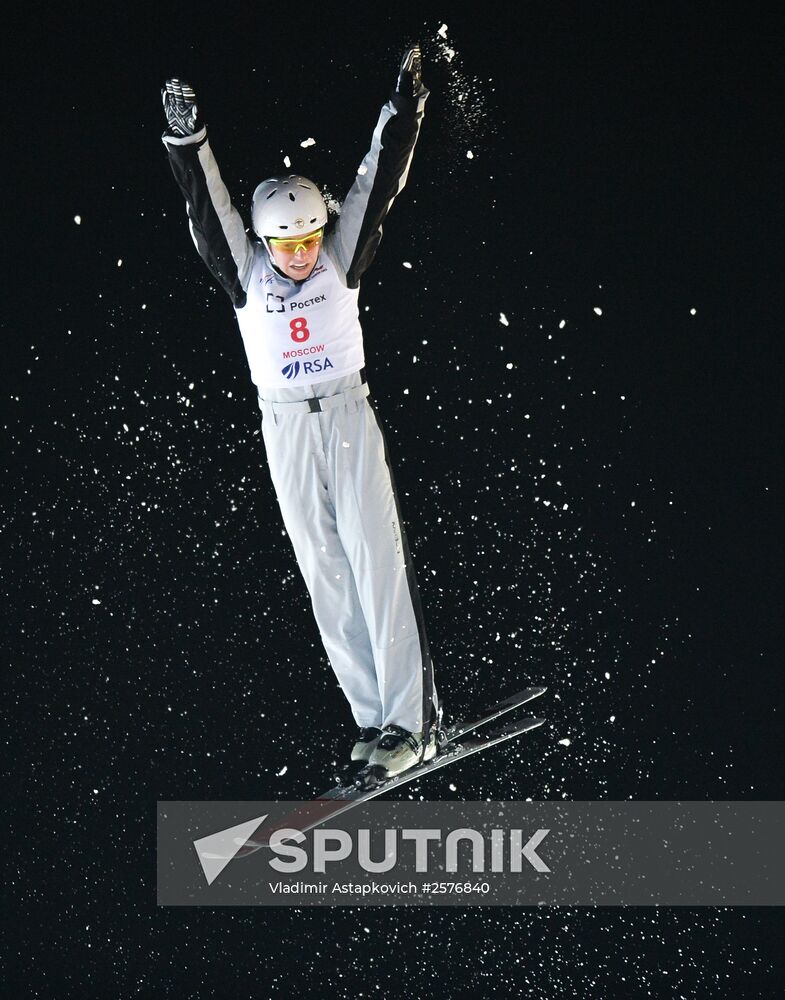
<point x="216" y="226"/>
<point x="380" y="178"/>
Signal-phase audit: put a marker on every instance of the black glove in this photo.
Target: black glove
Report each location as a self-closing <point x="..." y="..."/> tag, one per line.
<point x="180" y="107"/>
<point x="410" y="73"/>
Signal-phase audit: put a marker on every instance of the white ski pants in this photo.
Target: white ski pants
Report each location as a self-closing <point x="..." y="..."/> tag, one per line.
<point x="331" y="473"/>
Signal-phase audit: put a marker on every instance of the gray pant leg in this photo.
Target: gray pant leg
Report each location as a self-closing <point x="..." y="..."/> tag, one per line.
<point x="335" y="487"/>
<point x="298" y="469"/>
<point x="369" y="525"/>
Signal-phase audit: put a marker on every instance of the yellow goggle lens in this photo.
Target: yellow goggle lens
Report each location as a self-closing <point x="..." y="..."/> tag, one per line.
<point x="288" y="245"/>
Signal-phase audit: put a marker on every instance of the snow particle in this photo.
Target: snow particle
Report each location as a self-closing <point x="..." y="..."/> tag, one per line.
<point x="308" y="142"/>
<point x="503" y="320"/>
<point x="598" y="310"/>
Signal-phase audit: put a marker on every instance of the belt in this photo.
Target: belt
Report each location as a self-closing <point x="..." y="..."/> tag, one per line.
<point x="319" y="403"/>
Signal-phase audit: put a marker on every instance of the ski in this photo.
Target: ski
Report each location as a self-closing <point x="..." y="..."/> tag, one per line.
<point x="461" y="728"/>
<point x="348" y="773"/>
<point x="449" y="755"/>
<point x="341" y="798"/>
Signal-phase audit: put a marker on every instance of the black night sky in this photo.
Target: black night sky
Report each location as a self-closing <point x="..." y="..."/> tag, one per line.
<point x="573" y="335"/>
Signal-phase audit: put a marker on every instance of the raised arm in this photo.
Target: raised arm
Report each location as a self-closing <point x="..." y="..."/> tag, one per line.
<point x="383" y="172"/>
<point x="216" y="226"/>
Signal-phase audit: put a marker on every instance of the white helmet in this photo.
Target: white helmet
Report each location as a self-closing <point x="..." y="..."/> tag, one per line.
<point x="287" y="206"/>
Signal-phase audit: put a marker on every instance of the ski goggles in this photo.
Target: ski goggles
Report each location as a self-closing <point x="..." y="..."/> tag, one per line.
<point x="287" y="244"/>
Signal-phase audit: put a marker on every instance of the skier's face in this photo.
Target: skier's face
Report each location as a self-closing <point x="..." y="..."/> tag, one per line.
<point x="297" y="257"/>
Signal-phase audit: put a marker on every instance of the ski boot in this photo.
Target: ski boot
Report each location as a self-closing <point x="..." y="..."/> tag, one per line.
<point x="398" y="750"/>
<point x="364" y="746"/>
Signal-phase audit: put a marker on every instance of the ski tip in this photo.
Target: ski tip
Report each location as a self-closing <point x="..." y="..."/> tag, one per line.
<point x="532" y="722"/>
<point x="517" y="727"/>
<point x="528" y="693"/>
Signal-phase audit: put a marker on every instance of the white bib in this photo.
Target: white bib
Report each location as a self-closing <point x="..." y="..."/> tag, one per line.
<point x="299" y="333"/>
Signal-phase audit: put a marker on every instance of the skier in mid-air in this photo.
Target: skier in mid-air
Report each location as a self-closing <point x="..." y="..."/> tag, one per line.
<point x="295" y="292"/>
